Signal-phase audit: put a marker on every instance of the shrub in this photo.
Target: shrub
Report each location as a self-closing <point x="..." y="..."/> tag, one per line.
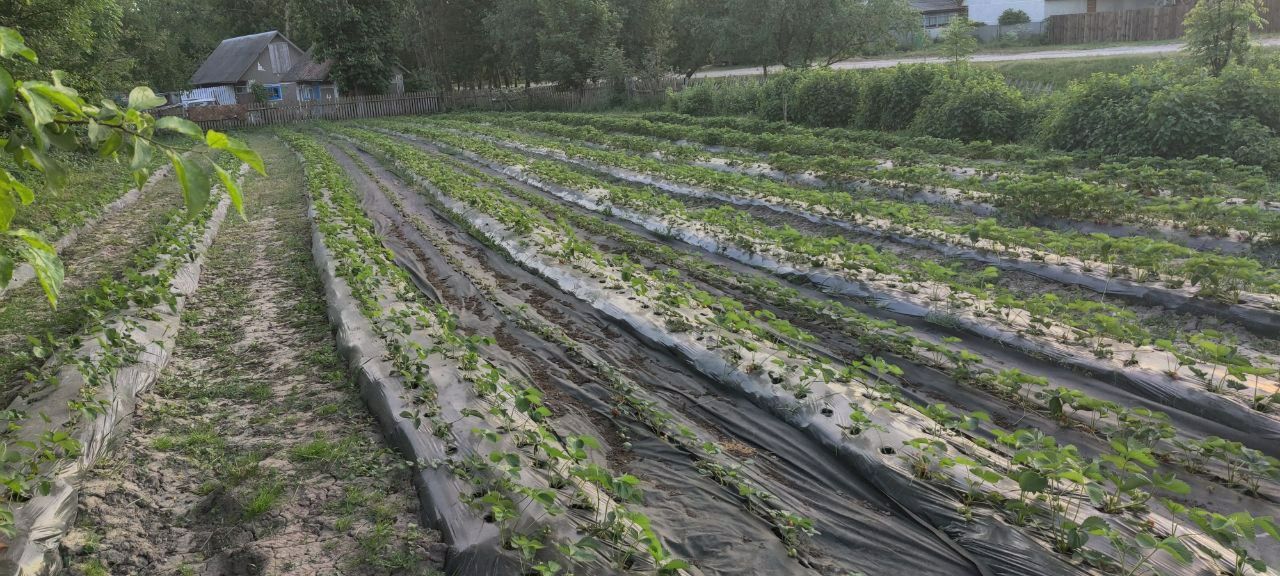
<point x="1013" y="16"/>
<point x="1166" y="111"/>
<point x="696" y="100"/>
<point x="777" y="96"/>
<point x="738" y="98"/>
<point x="826" y="98"/>
<point x="973" y="104"/>
<point x="716" y="98"/>
<point x="891" y="96"/>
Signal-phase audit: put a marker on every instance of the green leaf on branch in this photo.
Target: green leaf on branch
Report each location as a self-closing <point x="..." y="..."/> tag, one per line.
<point x="59" y="95"/>
<point x="142" y="98"/>
<point x="141" y="155"/>
<point x="195" y="182"/>
<point x="11" y="45"/>
<point x="7" y="91"/>
<point x="54" y="172"/>
<point x="229" y="182"/>
<point x="44" y="260"/>
<point x="8" y="208"/>
<point x="219" y="141"/>
<point x="181" y="126"/>
<point x="42" y="111"/>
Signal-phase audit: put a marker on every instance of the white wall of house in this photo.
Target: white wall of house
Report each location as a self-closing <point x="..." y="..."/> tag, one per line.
<point x="1056" y="7"/>
<point x="220" y="94"/>
<point x="988" y="11"/>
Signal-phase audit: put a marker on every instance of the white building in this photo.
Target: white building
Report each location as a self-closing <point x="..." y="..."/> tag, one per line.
<point x="988" y="11"/>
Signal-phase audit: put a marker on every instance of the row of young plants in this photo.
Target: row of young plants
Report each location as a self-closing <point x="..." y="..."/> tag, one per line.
<point x="1025" y="477"/>
<point x="1083" y="314"/>
<point x="38" y="447"/>
<point x="1226" y="461"/>
<point x="1200" y="176"/>
<point x="553" y="505"/>
<point x="903" y="177"/>
<point x="1133" y="191"/>
<point x="1138" y="259"/>
<point x="1223" y="175"/>
<point x="710" y="457"/>
<point x="1104" y="330"/>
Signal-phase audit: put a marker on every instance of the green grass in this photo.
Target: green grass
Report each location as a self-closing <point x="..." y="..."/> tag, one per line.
<point x="1060" y="72"/>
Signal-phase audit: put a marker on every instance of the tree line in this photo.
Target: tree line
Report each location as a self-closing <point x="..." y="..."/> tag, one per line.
<point x="110" y="45"/>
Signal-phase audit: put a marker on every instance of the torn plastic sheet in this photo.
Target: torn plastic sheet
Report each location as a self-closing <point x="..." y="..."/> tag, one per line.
<point x="1258" y="430"/>
<point x="42" y="521"/>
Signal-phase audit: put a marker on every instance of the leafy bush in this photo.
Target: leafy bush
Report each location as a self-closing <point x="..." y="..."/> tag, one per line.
<point x="696" y="100"/>
<point x="716" y="98"/>
<point x="826" y="98"/>
<point x="777" y="96"/>
<point x="1167" y="111"/>
<point x="973" y="104"/>
<point x="891" y="96"/>
<point x="1013" y="16"/>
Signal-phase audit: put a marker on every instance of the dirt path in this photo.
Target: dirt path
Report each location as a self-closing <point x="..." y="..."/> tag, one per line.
<point x="254" y="455"/>
<point x="995" y="57"/>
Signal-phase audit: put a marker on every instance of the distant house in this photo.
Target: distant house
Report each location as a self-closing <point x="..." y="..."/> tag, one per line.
<point x="936" y="14"/>
<point x="988" y="11"/>
<point x="285" y="72"/>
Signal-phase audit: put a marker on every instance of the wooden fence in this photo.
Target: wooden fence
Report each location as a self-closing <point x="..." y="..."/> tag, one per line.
<point x="596" y="96"/>
<point x="1160" y="23"/>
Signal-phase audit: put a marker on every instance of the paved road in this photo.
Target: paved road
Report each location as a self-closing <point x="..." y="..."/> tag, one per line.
<point x="1037" y="55"/>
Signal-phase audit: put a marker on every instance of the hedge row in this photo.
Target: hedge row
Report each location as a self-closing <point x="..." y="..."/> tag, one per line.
<point x="1167" y="110"/>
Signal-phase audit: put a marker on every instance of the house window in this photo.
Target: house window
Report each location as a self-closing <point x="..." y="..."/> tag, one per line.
<point x="274" y="92"/>
<point x="279" y="57"/>
<point x="937" y="20"/>
<point x="309" y="93"/>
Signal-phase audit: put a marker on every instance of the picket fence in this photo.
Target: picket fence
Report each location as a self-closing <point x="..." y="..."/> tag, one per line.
<point x="595" y="96"/>
<point x="1158" y="23"/>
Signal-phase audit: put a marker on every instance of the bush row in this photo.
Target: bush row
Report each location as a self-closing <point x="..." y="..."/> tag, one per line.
<point x="1166" y="110"/>
<point x="947" y="102"/>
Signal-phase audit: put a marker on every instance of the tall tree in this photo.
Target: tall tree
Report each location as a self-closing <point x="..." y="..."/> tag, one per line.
<point x="1217" y="31"/>
<point x="360" y="37"/>
<point x="645" y="28"/>
<point x="513" y="27"/>
<point x="576" y="34"/>
<point x="79" y="37"/>
<point x="697" y="34"/>
<point x="801" y="33"/>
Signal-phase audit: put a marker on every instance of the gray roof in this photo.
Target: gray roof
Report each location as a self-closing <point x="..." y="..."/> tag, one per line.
<point x="937" y="5"/>
<point x="308" y="70"/>
<point x="232" y="58"/>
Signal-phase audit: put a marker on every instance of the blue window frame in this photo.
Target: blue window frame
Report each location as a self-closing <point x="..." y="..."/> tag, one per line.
<point x="274" y="92"/>
<point x="308" y="93"/>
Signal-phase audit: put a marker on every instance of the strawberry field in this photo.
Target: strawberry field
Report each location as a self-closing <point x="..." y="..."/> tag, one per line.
<point x="659" y="343"/>
<point x="654" y="344"/>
